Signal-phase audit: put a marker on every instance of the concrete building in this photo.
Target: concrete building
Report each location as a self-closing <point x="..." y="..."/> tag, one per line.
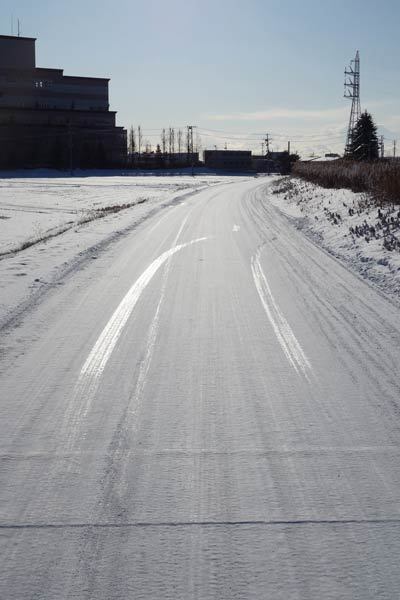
<point x="49" y="119"/>
<point x="229" y="160"/>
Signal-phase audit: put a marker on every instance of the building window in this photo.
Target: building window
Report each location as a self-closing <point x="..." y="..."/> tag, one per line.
<point x="39" y="84"/>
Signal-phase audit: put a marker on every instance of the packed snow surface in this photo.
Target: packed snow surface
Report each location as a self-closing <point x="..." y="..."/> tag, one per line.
<point x="209" y="410"/>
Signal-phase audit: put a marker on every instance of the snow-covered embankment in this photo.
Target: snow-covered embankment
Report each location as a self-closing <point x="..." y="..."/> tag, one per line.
<point x="349" y="226"/>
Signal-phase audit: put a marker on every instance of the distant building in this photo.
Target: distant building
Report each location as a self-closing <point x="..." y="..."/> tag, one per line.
<point x="158" y="160"/>
<point x="182" y="158"/>
<point x="228" y="160"/>
<point x="262" y="164"/>
<point x="48" y="119"/>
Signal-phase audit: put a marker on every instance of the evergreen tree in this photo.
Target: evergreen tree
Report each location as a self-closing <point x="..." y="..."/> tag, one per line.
<point x="364" y="144"/>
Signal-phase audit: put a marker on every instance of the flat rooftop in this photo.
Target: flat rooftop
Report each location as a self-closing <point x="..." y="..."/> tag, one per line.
<point x="16" y="37"/>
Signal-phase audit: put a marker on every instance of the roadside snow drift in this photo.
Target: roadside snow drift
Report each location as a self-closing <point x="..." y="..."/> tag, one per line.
<point x="348" y="225"/>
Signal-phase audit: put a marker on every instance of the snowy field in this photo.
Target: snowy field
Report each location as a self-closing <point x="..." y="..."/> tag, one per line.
<point x="50" y="225"/>
<point x="348" y="225"/>
<point x="33" y="209"/>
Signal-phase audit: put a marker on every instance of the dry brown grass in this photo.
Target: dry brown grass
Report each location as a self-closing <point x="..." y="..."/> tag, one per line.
<point x="381" y="179"/>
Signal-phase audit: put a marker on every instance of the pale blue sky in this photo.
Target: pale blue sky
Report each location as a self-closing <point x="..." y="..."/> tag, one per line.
<point x="236" y="66"/>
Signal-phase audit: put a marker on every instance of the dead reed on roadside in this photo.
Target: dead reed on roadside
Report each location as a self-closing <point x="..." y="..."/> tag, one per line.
<point x="381" y="179"/>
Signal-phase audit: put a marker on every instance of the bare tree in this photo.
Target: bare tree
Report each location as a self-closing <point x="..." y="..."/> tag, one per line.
<point x="199" y="145"/>
<point x="171" y="140"/>
<point x="132" y="140"/>
<point x="164" y="141"/>
<point x="180" y="139"/>
<point x="188" y="141"/>
<point x="139" y="139"/>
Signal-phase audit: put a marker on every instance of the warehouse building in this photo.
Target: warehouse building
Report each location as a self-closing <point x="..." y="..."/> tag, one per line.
<point x="228" y="160"/>
<point x="48" y="119"/>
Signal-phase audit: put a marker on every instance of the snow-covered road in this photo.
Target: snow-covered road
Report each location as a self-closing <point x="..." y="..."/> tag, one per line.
<point x="210" y="410"/>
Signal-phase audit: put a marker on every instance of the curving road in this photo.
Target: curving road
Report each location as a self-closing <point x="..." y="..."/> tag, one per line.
<point x="210" y="410"/>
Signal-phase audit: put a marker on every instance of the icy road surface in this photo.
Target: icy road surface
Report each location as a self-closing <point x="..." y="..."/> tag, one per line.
<point x="210" y="410"/>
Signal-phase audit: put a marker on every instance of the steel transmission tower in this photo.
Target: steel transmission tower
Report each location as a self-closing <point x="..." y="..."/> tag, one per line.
<point x="352" y="91"/>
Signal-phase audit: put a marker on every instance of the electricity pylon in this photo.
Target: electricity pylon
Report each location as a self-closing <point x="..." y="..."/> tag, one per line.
<point x="352" y="91"/>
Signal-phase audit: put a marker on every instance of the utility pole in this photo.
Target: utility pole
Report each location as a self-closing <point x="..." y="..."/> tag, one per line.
<point x="394" y="148"/>
<point x="267" y="141"/>
<point x="139" y="129"/>
<point x="288" y="148"/>
<point x="190" y="144"/>
<point x="190" y="139"/>
<point x="352" y="91"/>
<point x="262" y="148"/>
<point x="382" y="146"/>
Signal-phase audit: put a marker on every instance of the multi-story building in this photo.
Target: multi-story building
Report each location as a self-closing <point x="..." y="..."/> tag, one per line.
<point x="49" y="119"/>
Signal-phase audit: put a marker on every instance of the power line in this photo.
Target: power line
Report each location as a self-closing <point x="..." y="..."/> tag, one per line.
<point x="274" y="134"/>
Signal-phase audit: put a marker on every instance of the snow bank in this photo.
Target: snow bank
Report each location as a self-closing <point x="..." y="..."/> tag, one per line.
<point x="348" y="225"/>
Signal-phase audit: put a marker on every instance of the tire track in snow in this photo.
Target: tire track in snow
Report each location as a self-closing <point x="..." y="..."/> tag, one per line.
<point x="153" y="330"/>
<point x="103" y="348"/>
<point x="120" y="455"/>
<point x="288" y="341"/>
<point x="92" y="370"/>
